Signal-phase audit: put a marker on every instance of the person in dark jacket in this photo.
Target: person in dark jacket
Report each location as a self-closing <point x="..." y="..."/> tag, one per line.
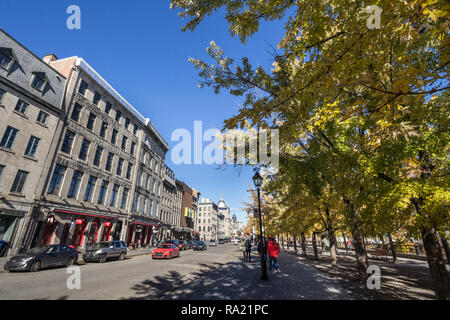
<point x="273" y="249"/>
<point x="248" y="250"/>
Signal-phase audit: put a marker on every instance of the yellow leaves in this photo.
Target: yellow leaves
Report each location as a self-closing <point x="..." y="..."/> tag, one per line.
<point x="401" y="86"/>
<point x="276" y="67"/>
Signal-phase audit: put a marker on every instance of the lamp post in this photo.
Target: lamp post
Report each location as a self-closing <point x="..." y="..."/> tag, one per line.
<point x="257" y="180"/>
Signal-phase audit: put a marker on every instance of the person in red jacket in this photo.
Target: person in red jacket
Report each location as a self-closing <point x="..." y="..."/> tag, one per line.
<point x="273" y="249"/>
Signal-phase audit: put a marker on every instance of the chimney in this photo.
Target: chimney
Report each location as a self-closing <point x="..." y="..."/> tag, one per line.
<point x="50" y="58"/>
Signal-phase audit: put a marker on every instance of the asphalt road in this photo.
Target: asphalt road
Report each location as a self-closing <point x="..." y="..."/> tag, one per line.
<point x="216" y="273"/>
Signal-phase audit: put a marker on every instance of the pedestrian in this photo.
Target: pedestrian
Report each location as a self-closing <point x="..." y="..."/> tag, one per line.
<point x="273" y="249"/>
<point x="248" y="250"/>
<point x="349" y="244"/>
<point x="243" y="250"/>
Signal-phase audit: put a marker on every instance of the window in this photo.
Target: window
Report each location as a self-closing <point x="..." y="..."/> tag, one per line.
<point x="83" y="88"/>
<point x="129" y="169"/>
<point x="68" y="141"/>
<point x="114" y="136"/>
<point x="127" y="123"/>
<point x="143" y="206"/>
<point x="109" y="161"/>
<point x="84" y="149"/>
<point x="8" y="138"/>
<point x="124" y="198"/>
<point x="91" y="121"/>
<point x="32" y="146"/>
<point x="90" y="188"/>
<point x="73" y="189"/>
<point x="103" y="190"/>
<point x="119" y="167"/>
<point x="21" y="106"/>
<point x="133" y="147"/>
<point x="115" y="191"/>
<point x="103" y="129"/>
<point x="136" y="202"/>
<point x="39" y="81"/>
<point x="97" y="98"/>
<point x="6" y="60"/>
<point x="98" y="156"/>
<point x="2" y="93"/>
<point x="156" y="209"/>
<point x="150" y="207"/>
<point x="1" y="169"/>
<point x="42" y="117"/>
<point x="76" y="112"/>
<point x="118" y="115"/>
<point x="135" y="128"/>
<point x="108" y="108"/>
<point x="124" y="143"/>
<point x="55" y="183"/>
<point x="19" y="181"/>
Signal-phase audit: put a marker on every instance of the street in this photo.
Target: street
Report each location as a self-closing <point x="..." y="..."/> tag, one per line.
<point x="215" y="274"/>
<point x="136" y="277"/>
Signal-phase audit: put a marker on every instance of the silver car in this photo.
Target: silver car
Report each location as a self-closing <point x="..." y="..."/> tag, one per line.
<point x="102" y="251"/>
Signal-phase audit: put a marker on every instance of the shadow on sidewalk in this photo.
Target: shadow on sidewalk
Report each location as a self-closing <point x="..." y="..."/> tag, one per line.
<point x="237" y="280"/>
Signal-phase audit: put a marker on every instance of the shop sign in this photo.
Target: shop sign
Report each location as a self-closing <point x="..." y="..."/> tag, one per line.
<point x="107" y="224"/>
<point x="51" y="219"/>
<point x="79" y="221"/>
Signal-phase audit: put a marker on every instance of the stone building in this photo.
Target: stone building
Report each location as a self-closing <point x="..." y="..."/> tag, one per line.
<point x="195" y="200"/>
<point x="31" y="96"/>
<point x="225" y="222"/>
<point x="94" y="190"/>
<point x="208" y="220"/>
<point x="170" y="211"/>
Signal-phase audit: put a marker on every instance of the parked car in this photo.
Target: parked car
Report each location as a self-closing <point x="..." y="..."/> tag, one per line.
<point x="212" y="243"/>
<point x="102" y="251"/>
<point x="236" y="241"/>
<point x="221" y="241"/>
<point x="200" y="245"/>
<point x="166" y="251"/>
<point x="191" y="244"/>
<point x="43" y="257"/>
<point x="183" y="245"/>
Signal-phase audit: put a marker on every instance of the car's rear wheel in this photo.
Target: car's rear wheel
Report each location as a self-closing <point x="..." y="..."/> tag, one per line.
<point x="122" y="256"/>
<point x="35" y="266"/>
<point x="70" y="262"/>
<point x="103" y="258"/>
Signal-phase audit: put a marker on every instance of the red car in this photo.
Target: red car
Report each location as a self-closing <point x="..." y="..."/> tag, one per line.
<point x="183" y="245"/>
<point x="166" y="251"/>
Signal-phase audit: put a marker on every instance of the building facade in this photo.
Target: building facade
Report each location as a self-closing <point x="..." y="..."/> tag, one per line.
<point x="31" y="100"/>
<point x="208" y="220"/>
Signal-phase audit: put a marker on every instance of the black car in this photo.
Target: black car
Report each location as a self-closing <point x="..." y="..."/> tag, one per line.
<point x="221" y="241"/>
<point x="43" y="257"/>
<point x="200" y="245"/>
<point x="191" y="244"/>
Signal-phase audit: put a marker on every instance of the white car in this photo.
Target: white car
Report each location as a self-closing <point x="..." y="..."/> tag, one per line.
<point x="235" y="241"/>
<point x="212" y="243"/>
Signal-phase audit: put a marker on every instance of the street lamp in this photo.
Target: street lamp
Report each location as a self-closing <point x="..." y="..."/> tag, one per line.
<point x="258" y="181"/>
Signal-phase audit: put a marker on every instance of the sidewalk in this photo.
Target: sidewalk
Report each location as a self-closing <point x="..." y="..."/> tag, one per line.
<point x="295" y="281"/>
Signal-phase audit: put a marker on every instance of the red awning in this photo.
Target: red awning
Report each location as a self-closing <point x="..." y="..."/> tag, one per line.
<point x="83" y="214"/>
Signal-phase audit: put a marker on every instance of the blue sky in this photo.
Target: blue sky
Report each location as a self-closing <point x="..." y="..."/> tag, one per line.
<point x="138" y="47"/>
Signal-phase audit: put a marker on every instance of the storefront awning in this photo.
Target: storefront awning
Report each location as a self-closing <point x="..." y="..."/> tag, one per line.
<point x="84" y="214"/>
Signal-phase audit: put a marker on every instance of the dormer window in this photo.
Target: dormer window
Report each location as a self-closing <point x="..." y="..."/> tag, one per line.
<point x="39" y="81"/>
<point x="7" y="58"/>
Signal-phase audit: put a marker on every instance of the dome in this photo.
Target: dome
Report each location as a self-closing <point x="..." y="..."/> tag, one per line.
<point x="222" y="204"/>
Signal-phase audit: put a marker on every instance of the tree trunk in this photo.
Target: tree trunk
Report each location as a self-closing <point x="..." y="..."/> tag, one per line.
<point x="361" y="257"/>
<point x="303" y="244"/>
<point x="345" y="241"/>
<point x="331" y="238"/>
<point x="445" y="245"/>
<point x="282" y="241"/>
<point x="436" y="264"/>
<point x="288" y="240"/>
<point x="393" y="250"/>
<point x="316" y="254"/>
<point x="295" y="244"/>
